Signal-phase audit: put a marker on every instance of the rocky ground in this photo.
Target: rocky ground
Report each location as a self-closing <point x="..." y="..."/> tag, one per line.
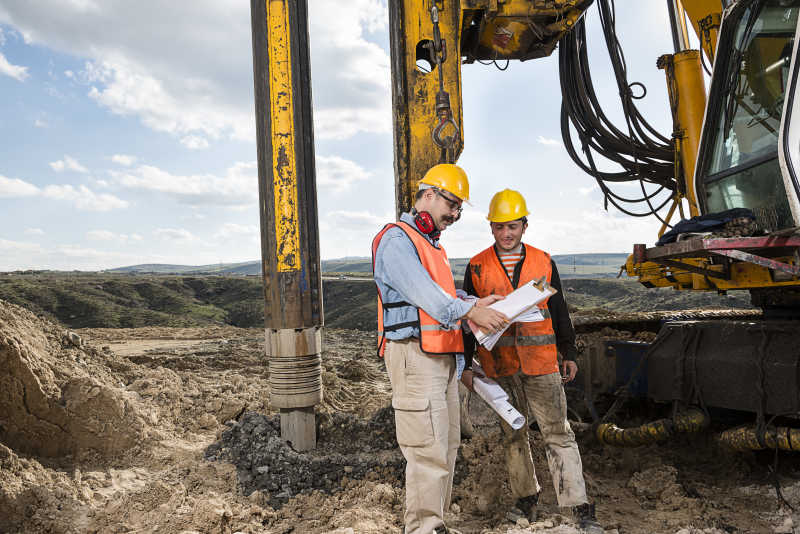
<point x="163" y="429"/>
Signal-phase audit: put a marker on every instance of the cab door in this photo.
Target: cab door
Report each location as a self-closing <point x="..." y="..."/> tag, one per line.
<point x="789" y="138"/>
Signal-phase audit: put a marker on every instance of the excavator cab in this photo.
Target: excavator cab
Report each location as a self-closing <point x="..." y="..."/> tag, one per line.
<point x="739" y="164"/>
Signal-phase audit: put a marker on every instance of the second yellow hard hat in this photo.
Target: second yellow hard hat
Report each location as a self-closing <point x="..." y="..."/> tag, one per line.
<point x="507" y="205"/>
<point x="451" y="178"/>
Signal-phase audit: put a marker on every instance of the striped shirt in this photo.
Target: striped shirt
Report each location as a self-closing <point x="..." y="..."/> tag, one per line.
<point x="510" y="260"/>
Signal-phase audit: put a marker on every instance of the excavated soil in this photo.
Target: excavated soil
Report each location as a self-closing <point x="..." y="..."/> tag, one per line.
<point x="170" y="430"/>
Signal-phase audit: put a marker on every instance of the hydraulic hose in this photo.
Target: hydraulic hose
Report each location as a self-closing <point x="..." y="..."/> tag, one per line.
<point x="690" y="421"/>
<point x="746" y="438"/>
<point x="636" y="151"/>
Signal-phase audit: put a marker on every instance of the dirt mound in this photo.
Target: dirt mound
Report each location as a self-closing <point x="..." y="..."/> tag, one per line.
<point x="33" y="492"/>
<point x="57" y="398"/>
<point x="354" y="378"/>
<point x="265" y="462"/>
<point x="658" y="488"/>
<point x="186" y="384"/>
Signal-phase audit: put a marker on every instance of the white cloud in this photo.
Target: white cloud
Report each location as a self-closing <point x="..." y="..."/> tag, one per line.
<point x="178" y="235"/>
<point x="193" y="75"/>
<point x="17" y="72"/>
<point x="2" y="37"/>
<point x="84" y="198"/>
<point x="106" y="235"/>
<point x="100" y="235"/>
<point x="123" y="159"/>
<point x="52" y="91"/>
<point x="18" y="246"/>
<point x="343" y="123"/>
<point x="68" y="163"/>
<point x="81" y="196"/>
<point x="339" y="173"/>
<point x="349" y="232"/>
<point x="83" y="5"/>
<point x="194" y="142"/>
<point x="15" y="255"/>
<point x="357" y="219"/>
<point x="548" y="141"/>
<point x="238" y="187"/>
<point x="15" y="188"/>
<point x="233" y="230"/>
<point x="40" y="123"/>
<point x="34" y="231"/>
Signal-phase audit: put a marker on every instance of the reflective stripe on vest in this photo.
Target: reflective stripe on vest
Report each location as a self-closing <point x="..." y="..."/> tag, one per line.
<point x="527" y="341"/>
<point x="434" y="337"/>
<point x="526" y="346"/>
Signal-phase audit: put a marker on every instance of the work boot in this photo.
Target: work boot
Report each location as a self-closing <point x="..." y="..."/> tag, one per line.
<point x="524" y="507"/>
<point x="587" y="522"/>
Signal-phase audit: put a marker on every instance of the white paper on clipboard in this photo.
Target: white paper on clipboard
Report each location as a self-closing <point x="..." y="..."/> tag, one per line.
<point x="520" y="305"/>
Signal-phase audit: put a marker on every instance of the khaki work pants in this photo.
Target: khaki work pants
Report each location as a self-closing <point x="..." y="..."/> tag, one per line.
<point x="543" y="397"/>
<point x="426" y="411"/>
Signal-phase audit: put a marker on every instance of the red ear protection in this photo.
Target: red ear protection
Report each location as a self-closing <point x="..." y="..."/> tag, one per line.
<point x="424" y="222"/>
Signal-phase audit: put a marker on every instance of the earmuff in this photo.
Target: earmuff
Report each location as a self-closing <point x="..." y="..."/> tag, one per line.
<point x="425" y="224"/>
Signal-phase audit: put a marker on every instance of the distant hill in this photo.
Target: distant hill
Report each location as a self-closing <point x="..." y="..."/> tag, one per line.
<point x="569" y="266"/>
<point x="93" y="300"/>
<point x="248" y="267"/>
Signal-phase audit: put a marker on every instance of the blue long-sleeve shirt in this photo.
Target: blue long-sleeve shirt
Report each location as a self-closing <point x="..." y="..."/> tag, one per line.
<point x="400" y="276"/>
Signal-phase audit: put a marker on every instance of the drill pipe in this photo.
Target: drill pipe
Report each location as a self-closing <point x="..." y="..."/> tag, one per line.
<point x="745" y="438"/>
<point x="691" y="420"/>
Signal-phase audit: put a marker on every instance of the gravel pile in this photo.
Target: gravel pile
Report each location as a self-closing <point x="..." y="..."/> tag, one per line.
<point x="348" y="448"/>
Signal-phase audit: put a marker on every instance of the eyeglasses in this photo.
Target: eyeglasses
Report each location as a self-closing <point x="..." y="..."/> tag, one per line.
<point x="454" y="205"/>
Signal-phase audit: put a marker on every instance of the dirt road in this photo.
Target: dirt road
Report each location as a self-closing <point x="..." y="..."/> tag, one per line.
<point x="170" y="430"/>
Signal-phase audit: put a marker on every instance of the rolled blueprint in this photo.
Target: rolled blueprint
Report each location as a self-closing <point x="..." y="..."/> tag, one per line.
<point x="497" y="399"/>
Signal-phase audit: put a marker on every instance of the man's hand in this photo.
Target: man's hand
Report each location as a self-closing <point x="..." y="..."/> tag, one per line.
<point x="568" y="370"/>
<point x="488" y="301"/>
<point x="467" y="376"/>
<point x="487" y="319"/>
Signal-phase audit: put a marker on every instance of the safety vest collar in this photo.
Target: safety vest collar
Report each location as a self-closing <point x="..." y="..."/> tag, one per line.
<point x="514" y="280"/>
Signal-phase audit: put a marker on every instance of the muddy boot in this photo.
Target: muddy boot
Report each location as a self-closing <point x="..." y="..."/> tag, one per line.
<point x="525" y="507"/>
<point x="587" y="522"/>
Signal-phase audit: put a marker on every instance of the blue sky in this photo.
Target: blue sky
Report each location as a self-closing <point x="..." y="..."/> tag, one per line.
<point x="127" y="134"/>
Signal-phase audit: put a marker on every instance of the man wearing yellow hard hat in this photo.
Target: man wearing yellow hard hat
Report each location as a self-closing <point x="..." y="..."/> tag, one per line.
<point x="419" y="337"/>
<point x="524" y="362"/>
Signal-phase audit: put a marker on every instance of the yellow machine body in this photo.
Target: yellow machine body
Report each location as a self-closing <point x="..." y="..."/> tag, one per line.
<point x="742" y="275"/>
<point x="499" y="31"/>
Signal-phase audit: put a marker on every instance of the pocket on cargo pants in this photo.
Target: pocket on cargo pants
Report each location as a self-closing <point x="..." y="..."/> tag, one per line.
<point x="412" y="418"/>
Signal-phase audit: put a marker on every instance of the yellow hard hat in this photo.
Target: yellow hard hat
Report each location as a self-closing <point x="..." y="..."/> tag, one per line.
<point x="507" y="205"/>
<point x="449" y="177"/>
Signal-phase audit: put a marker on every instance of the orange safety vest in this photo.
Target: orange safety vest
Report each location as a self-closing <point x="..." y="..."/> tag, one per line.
<point x="434" y="337"/>
<point x="531" y="346"/>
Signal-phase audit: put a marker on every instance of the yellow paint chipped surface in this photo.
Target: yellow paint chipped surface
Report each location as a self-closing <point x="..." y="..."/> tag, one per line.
<point x="284" y="166"/>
